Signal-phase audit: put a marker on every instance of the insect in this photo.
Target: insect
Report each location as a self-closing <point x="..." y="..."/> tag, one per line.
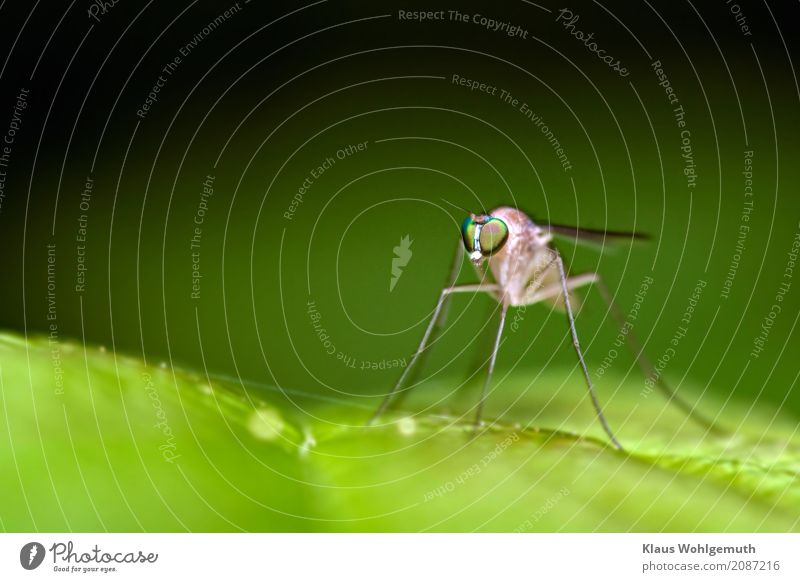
<point x="526" y="268"/>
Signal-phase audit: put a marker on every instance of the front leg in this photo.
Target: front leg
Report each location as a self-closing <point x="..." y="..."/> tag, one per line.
<point x="474" y="288"/>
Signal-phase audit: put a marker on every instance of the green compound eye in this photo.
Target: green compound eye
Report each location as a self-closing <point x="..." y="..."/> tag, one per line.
<point x="491" y="234"/>
<point x="468" y="233"/>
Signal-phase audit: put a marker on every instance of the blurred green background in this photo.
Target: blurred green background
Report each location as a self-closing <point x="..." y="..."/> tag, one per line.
<point x="259" y="104"/>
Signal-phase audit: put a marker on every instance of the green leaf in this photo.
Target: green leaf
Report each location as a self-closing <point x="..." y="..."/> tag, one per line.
<point x="98" y="441"/>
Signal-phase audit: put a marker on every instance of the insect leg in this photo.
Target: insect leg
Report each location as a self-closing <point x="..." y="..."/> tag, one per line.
<point x="475" y="288"/>
<point x="644" y="362"/>
<point x="576" y="344"/>
<point x="492" y="359"/>
<point x="455" y="269"/>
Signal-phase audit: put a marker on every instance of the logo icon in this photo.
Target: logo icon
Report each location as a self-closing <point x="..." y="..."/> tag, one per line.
<point x="402" y="254"/>
<point x="31" y="555"/>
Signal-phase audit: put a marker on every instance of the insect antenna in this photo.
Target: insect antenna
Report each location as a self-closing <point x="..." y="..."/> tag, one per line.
<point x="461" y="208"/>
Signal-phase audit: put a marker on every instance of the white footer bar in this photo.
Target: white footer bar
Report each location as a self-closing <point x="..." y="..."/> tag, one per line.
<point x="400" y="557"/>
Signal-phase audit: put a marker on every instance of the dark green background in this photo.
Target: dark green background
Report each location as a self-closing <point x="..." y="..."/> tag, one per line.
<point x="281" y="98"/>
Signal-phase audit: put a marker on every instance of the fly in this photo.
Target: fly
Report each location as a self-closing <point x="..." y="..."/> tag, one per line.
<point x="527" y="268"/>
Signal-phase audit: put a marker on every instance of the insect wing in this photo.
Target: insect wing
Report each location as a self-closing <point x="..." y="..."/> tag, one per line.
<point x="595" y="237"/>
